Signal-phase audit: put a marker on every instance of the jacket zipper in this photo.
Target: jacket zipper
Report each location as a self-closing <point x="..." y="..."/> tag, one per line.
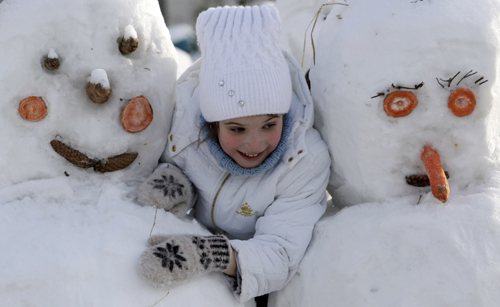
<point x="215" y="199"/>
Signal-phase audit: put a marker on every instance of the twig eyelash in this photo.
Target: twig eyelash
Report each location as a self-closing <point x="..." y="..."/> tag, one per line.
<point x="449" y="80"/>
<point x="468" y="74"/>
<point x="480" y="80"/>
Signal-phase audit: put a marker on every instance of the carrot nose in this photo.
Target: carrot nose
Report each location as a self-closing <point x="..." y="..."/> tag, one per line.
<point x="435" y="172"/>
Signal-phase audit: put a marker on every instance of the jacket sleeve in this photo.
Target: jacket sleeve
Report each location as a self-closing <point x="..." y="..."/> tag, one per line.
<point x="269" y="260"/>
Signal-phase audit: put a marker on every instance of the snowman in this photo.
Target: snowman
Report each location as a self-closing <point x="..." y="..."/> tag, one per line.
<point x="299" y="19"/>
<point x="87" y="94"/>
<point x="407" y="100"/>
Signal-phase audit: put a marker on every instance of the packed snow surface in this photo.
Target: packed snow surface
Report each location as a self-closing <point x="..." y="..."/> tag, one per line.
<point x="398" y="253"/>
<point x="68" y="242"/>
<point x="99" y="76"/>
<point x="52" y="54"/>
<point x="130" y="32"/>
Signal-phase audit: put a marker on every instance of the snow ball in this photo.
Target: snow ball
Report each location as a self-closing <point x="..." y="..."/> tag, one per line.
<point x="99" y="76"/>
<point x="130" y="32"/>
<point x="52" y="54"/>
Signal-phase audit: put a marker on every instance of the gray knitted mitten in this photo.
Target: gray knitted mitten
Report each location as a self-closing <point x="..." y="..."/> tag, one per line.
<point x="180" y="257"/>
<point x="168" y="188"/>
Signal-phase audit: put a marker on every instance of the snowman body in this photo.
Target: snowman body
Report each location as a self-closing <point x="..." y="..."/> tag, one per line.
<point x="392" y="243"/>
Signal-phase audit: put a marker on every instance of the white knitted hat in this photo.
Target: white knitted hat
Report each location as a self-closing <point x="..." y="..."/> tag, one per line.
<point x="243" y="70"/>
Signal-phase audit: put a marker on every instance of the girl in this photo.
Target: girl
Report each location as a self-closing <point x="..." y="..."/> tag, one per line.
<point x="260" y="169"/>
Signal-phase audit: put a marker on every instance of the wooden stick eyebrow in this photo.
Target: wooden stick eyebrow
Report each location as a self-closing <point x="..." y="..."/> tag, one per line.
<point x="416" y="87"/>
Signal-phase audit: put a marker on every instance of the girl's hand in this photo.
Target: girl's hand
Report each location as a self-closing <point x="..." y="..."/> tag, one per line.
<point x="169" y="189"/>
<point x="180" y="257"/>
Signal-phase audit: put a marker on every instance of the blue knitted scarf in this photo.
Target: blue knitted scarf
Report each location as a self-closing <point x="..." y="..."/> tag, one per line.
<point x="228" y="163"/>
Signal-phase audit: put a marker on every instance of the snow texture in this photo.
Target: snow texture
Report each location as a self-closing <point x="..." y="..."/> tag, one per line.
<point x="72" y="242"/>
<point x="298" y="18"/>
<point x="99" y="76"/>
<point x="130" y="32"/>
<point x="52" y="54"/>
<point x="397" y="245"/>
<point x="71" y="236"/>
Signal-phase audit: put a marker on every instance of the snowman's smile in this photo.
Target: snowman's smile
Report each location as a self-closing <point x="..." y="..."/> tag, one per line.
<point x="99" y="165"/>
<point x="421" y="180"/>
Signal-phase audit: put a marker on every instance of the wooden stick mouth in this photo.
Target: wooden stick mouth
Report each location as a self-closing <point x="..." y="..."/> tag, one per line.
<point x="421" y="180"/>
<point x="80" y="159"/>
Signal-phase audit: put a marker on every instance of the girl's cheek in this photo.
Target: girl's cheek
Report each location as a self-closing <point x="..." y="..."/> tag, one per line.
<point x="275" y="137"/>
<point x="227" y="140"/>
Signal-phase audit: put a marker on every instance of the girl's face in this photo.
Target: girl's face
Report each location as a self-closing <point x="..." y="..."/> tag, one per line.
<point x="249" y="140"/>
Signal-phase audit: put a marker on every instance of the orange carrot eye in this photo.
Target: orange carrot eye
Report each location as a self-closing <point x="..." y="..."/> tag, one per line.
<point x="137" y="115"/>
<point x="33" y="109"/>
<point x="400" y="103"/>
<point x="462" y="102"/>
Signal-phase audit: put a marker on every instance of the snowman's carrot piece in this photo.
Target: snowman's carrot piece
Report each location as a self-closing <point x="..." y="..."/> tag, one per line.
<point x="462" y="102"/>
<point x="33" y="109"/>
<point x="437" y="177"/>
<point x="137" y="114"/>
<point x="400" y="103"/>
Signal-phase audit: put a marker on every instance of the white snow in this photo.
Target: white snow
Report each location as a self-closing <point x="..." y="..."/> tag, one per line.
<point x="298" y="21"/>
<point x="397" y="245"/>
<point x="71" y="236"/>
<point x="70" y="242"/>
<point x="99" y="76"/>
<point x="398" y="253"/>
<point x="130" y="32"/>
<point x="52" y="54"/>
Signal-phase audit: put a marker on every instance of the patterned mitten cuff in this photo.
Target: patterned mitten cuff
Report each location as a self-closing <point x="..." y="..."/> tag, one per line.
<point x="167" y="188"/>
<point x="180" y="257"/>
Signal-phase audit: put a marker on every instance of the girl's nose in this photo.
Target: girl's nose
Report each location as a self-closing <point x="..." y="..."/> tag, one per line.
<point x="254" y="142"/>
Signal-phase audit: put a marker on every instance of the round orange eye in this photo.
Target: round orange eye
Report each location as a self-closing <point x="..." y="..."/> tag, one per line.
<point x="462" y="102"/>
<point x="137" y="114"/>
<point x="33" y="109"/>
<point x="400" y="103"/>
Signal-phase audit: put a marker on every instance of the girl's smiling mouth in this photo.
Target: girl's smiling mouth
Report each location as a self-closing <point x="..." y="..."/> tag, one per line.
<point x="249" y="156"/>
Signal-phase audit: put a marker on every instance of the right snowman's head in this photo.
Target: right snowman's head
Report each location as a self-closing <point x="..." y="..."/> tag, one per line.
<point x="427" y="48"/>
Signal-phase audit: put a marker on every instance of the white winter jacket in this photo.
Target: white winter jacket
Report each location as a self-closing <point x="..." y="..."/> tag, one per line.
<point x="270" y="216"/>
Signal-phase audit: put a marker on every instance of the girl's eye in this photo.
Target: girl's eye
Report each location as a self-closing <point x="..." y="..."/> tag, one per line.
<point x="462" y="102"/>
<point x="269" y="126"/>
<point x="238" y="130"/>
<point x="400" y="103"/>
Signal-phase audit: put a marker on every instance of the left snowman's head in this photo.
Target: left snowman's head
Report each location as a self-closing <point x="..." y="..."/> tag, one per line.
<point x="86" y="88"/>
<point x="388" y="85"/>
